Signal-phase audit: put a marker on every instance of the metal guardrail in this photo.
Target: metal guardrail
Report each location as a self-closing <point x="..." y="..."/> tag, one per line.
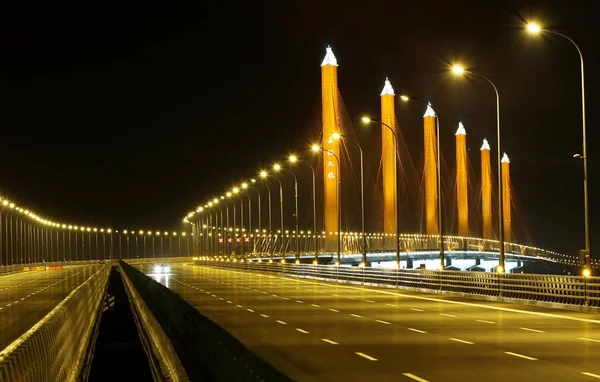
<point x="571" y="290"/>
<point x="54" y="348"/>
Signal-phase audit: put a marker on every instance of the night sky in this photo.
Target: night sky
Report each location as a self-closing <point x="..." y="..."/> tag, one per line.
<point x="129" y="114"/>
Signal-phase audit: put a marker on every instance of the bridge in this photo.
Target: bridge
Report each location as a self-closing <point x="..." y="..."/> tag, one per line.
<point x="245" y="289"/>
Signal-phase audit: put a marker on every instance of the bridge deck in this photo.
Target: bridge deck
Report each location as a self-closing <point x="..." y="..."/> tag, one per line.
<point x="313" y="330"/>
<point x="26" y="297"/>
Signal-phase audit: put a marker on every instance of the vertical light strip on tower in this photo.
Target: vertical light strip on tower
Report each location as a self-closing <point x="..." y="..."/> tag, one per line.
<point x="329" y="99"/>
<point x="462" y="193"/>
<point x="388" y="156"/>
<point x="486" y="190"/>
<point x="506" y="196"/>
<point x="430" y="172"/>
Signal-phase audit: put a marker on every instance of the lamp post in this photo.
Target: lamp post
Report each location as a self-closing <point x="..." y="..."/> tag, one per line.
<point x="294" y="159"/>
<point x="317" y="148"/>
<point x="277" y="167"/>
<point x="535" y="28"/>
<point x="362" y="194"/>
<point x="264" y="175"/>
<point x="438" y="175"/>
<point x="460" y="71"/>
<point x="245" y="187"/>
<point x="236" y="193"/>
<point x="367" y="120"/>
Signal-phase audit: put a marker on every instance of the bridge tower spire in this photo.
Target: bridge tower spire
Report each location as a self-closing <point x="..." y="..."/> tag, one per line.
<point x="486" y="190"/>
<point x="506" y="198"/>
<point x="331" y="146"/>
<point x="462" y="193"/>
<point x="430" y="171"/>
<point x="388" y="158"/>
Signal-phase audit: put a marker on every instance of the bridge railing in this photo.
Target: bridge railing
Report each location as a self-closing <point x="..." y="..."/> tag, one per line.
<point x="575" y="291"/>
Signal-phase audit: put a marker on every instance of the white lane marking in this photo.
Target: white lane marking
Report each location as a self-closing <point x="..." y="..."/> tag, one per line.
<point x="315" y="305"/>
<point x="335" y="295"/>
<point x="221" y="298"/>
<point x="369" y="301"/>
<point x="532" y="330"/>
<point x="447" y="315"/>
<point x="355" y="315"/>
<point x="250" y="310"/>
<point x="463" y="303"/>
<point x="392" y="305"/>
<point x="366" y="356"/>
<point x="520" y="356"/>
<point x="264" y="315"/>
<point x="264" y="292"/>
<point x="285" y="298"/>
<point x="274" y="295"/>
<point x="461" y="341"/>
<point x="281" y="322"/>
<point x="412" y="376"/>
<point x="300" y="302"/>
<point x="417" y="330"/>
<point x="417" y="310"/>
<point x="383" y="322"/>
<point x="302" y="330"/>
<point x="239" y="306"/>
<point x="23" y="299"/>
<point x="590" y="374"/>
<point x="329" y="341"/>
<point x="334" y="310"/>
<point x="485" y="322"/>
<point x="16" y="302"/>
<point x="229" y="302"/>
<point x="350" y="298"/>
<point x="588" y="339"/>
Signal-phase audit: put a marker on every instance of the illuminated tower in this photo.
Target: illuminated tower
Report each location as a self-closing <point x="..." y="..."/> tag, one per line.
<point x="506" y="196"/>
<point x="429" y="121"/>
<point x="388" y="158"/>
<point x="486" y="190"/>
<point x="462" y="193"/>
<point x="329" y="99"/>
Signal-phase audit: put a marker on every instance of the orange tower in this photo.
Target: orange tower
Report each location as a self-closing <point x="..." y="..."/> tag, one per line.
<point x="486" y="190"/>
<point x="429" y="124"/>
<point x="388" y="158"/>
<point x="331" y="146"/>
<point x="462" y="193"/>
<point x="506" y="196"/>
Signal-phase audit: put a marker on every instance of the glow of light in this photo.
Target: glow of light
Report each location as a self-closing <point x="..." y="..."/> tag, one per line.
<point x="405" y="98"/>
<point x="499" y="269"/>
<point x="365" y="120"/>
<point x="336" y="135"/>
<point x="235" y="190"/>
<point x="263" y="174"/>
<point x="244" y="185"/>
<point x="533" y="28"/>
<point x="276" y="167"/>
<point x="505" y="159"/>
<point x="586" y="272"/>
<point x="215" y="200"/>
<point x="458" y="69"/>
<point x="315" y="148"/>
<point x="293" y="158"/>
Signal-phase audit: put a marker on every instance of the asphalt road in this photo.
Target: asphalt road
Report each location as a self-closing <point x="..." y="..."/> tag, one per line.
<point x="26" y="297"/>
<point x="313" y="330"/>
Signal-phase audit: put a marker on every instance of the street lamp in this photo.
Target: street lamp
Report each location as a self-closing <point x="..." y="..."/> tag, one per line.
<point x="406" y="98"/>
<point x="317" y="148"/>
<point x="461" y="71"/>
<point x="277" y="167"/>
<point x="362" y="194"/>
<point x="293" y="159"/>
<point x="534" y="28"/>
<point x="264" y="175"/>
<point x="367" y="120"/>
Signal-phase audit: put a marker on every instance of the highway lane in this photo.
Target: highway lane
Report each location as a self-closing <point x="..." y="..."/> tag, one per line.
<point x="315" y="330"/>
<point x="26" y="297"/>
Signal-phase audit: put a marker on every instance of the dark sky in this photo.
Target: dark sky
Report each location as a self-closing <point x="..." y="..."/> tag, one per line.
<point x="131" y="113"/>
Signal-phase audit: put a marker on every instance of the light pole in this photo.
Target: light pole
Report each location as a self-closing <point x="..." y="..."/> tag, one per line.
<point x="264" y="175"/>
<point x="362" y="194"/>
<point x="245" y="187"/>
<point x="367" y="120"/>
<point x="236" y="192"/>
<point x="294" y="159"/>
<point x="535" y="28"/>
<point x="438" y="175"/>
<point x="317" y="148"/>
<point x="460" y="71"/>
<point x="277" y="167"/>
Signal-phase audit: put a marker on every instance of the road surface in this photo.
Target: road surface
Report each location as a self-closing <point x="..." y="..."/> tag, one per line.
<point x="314" y="330"/>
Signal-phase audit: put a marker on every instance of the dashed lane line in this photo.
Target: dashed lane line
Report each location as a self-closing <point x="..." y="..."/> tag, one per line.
<point x="366" y="356"/>
<point x="447" y="315"/>
<point x="485" y="322"/>
<point x="355" y="315"/>
<point x="417" y="330"/>
<point x="383" y="322"/>
<point x="329" y="341"/>
<point x="281" y="322"/>
<point x="590" y="374"/>
<point x="461" y="341"/>
<point x="414" y="377"/>
<point x="334" y="310"/>
<point x="588" y="339"/>
<point x="302" y="331"/>
<point x="532" y="330"/>
<point x="417" y="310"/>
<point x="520" y="356"/>
<point x="264" y="315"/>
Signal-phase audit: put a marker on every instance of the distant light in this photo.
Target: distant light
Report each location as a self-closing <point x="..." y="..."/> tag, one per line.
<point x="534" y="28"/>
<point x="365" y="120"/>
<point x="315" y="148"/>
<point x="293" y="158"/>
<point x="336" y="135"/>
<point x="405" y="98"/>
<point x="586" y="272"/>
<point x="263" y="174"/>
<point x="500" y="269"/>
<point x="276" y="167"/>
<point x="457" y="69"/>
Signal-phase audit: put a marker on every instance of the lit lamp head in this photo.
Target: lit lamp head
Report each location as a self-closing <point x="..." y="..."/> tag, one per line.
<point x="215" y="200"/>
<point x="586" y="272"/>
<point x="500" y="269"/>
<point x="534" y="28"/>
<point x="235" y="190"/>
<point x="292" y="158"/>
<point x="336" y="136"/>
<point x="277" y="167"/>
<point x="365" y="120"/>
<point x="405" y="98"/>
<point x="253" y="180"/>
<point x="315" y="148"/>
<point x="263" y="174"/>
<point x="458" y="70"/>
<point x="244" y="186"/>
<point x="228" y="194"/>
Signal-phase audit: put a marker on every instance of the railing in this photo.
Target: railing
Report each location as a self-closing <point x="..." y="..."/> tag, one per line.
<point x="570" y="290"/>
<point x="54" y="348"/>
